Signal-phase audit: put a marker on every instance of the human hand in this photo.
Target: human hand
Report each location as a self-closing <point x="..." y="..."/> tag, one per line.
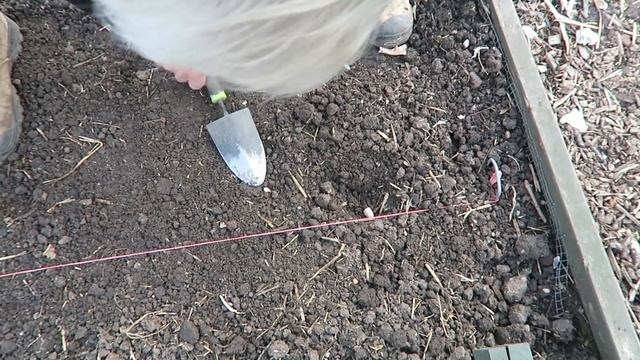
<point x="196" y="79"/>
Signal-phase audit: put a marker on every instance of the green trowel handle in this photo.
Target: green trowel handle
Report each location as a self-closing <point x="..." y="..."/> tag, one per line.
<point x="216" y="95"/>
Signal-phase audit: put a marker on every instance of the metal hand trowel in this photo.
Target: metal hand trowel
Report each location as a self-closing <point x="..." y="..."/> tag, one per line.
<point x="237" y="139"/>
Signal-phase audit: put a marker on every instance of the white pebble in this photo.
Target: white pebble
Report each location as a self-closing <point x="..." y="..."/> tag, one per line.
<point x="368" y="213"/>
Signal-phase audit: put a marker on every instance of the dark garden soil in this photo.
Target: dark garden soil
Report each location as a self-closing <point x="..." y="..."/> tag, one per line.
<point x="415" y="130"/>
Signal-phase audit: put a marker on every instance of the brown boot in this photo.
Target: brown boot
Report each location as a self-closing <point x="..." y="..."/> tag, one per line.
<point x="10" y="109"/>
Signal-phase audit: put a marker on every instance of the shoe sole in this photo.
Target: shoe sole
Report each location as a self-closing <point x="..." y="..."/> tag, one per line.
<point x="11" y="141"/>
<point x="392" y="41"/>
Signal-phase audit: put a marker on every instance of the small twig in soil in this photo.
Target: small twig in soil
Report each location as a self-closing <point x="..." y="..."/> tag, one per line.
<point x="9" y="257"/>
<point x="488" y="310"/>
<point x="67" y="91"/>
<point x="614" y="263"/>
<point x="228" y="306"/>
<point x="385" y="198"/>
<point x="465" y="279"/>
<point x="426" y="347"/>
<point x="433" y="274"/>
<point x="393" y="251"/>
<point x="367" y="272"/>
<point x="300" y="188"/>
<point x="563" y="19"/>
<point x="265" y="290"/>
<point x="628" y="214"/>
<point x="497" y="177"/>
<point x="517" y="227"/>
<point x="443" y="321"/>
<point x="437" y="109"/>
<point x="267" y="221"/>
<point x="290" y="242"/>
<point x="265" y="349"/>
<point x="633" y="315"/>
<point x="63" y="340"/>
<point x="467" y="213"/>
<point x="331" y="262"/>
<point x="534" y="201"/>
<point x="136" y="336"/>
<point x="435" y="179"/>
<point x="87" y="61"/>
<point x="272" y="325"/>
<point x="634" y="291"/>
<point x="564" y="99"/>
<point x="395" y="138"/>
<point x="513" y="202"/>
<point x="534" y="176"/>
<point x="610" y="76"/>
<point x="333" y="240"/>
<point x="414" y="305"/>
<point x="383" y="135"/>
<point x="149" y="83"/>
<point x="97" y="146"/>
<point x="60" y="203"/>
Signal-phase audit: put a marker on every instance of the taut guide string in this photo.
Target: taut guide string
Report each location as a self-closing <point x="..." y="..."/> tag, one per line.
<point x="495" y="180"/>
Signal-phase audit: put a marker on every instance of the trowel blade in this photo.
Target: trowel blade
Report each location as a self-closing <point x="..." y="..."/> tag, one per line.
<point x="238" y="142"/>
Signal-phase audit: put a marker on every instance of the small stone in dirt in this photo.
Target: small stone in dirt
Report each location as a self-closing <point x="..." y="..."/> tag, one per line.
<point x="189" y="332"/>
<point x="532" y="246"/>
<point x="327" y="187"/>
<point x="216" y="210"/>
<point x="563" y="330"/>
<point x="519" y="314"/>
<point x="237" y="346"/>
<point x="447" y="183"/>
<point x="64" y="240"/>
<point x="20" y="190"/>
<point x="317" y="213"/>
<point x="278" y="350"/>
<point x="232" y="225"/>
<point x="39" y="195"/>
<point x="7" y="347"/>
<point x="244" y="289"/>
<point x="59" y="281"/>
<point x="96" y="290"/>
<point x="164" y="186"/>
<point x="80" y="333"/>
<point x="313" y="354"/>
<point x="143" y="219"/>
<point x="474" y="80"/>
<point x="438" y="66"/>
<point x="332" y="109"/>
<point x="50" y="252"/>
<point x="513" y="334"/>
<point x="86" y="202"/>
<point x="514" y="288"/>
<point x="510" y="123"/>
<point x="304" y="112"/>
<point x="367" y="297"/>
<point x="368" y="213"/>
<point x="460" y="353"/>
<point x="323" y="200"/>
<point x="143" y="75"/>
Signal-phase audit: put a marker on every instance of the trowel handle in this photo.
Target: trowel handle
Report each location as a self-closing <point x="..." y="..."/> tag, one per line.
<point x="216" y="95"/>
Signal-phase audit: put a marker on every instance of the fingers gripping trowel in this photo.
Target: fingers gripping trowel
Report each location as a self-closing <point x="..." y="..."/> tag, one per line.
<point x="238" y="141"/>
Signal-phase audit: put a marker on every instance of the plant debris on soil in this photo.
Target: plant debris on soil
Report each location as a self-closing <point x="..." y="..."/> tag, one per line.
<point x="597" y="81"/>
<point x="134" y="170"/>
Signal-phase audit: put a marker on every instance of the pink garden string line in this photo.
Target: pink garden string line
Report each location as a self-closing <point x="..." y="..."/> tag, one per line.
<point x="495" y="180"/>
<point x="211" y="242"/>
